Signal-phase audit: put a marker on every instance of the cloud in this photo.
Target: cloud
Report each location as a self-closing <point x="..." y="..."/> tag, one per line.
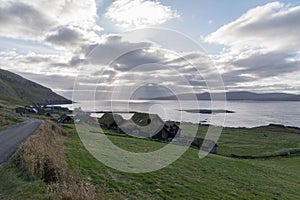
<point x="267" y="65"/>
<point x="22" y="21"/>
<point x="111" y="49"/>
<point x="139" y="13"/>
<point x="261" y="48"/>
<point x="34" y="19"/>
<point x="274" y="26"/>
<point x="138" y="60"/>
<point x="47" y="64"/>
<point x="66" y="37"/>
<point x="53" y="81"/>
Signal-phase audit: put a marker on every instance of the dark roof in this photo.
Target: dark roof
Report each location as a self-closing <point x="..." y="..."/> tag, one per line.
<point x="169" y="124"/>
<point x="143" y="123"/>
<point x="64" y="118"/>
<point x="109" y="118"/>
<point x="144" y="119"/>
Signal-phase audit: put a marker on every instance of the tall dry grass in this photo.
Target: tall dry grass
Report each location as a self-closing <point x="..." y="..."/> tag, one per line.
<point x="43" y="156"/>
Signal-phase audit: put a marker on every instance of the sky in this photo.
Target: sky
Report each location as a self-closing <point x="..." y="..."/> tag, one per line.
<point x="111" y="46"/>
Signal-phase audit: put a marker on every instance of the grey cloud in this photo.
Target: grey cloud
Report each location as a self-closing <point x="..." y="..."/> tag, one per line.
<point x="155" y="66"/>
<point x="75" y="61"/>
<point x="66" y="37"/>
<point x="110" y="50"/>
<point x="137" y="58"/>
<point x="262" y="44"/>
<point x="37" y="59"/>
<point x="34" y="19"/>
<point x="65" y="85"/>
<point x="52" y="81"/>
<point x="267" y="65"/>
<point x="258" y="67"/>
<point x="235" y="78"/>
<point x="21" y="20"/>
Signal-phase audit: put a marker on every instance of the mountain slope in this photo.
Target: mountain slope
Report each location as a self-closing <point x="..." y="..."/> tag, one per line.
<point x="237" y="96"/>
<point x="16" y="89"/>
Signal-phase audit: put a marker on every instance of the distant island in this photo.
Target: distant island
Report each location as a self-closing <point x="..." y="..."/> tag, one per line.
<point x="208" y="111"/>
<point x="232" y="96"/>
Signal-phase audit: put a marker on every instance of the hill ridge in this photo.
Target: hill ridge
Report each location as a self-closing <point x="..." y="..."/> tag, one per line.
<point x="16" y="89"/>
<point x="234" y="96"/>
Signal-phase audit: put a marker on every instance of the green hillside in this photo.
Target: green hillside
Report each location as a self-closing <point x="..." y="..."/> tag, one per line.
<point x="214" y="177"/>
<point x="16" y="89"/>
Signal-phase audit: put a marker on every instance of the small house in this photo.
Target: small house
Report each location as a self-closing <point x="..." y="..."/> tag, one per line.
<point x="147" y="125"/>
<point x="144" y="119"/>
<point x="173" y="128"/>
<point x="65" y="119"/>
<point x="110" y="121"/>
<point x="31" y="110"/>
<point x="169" y="131"/>
<point x="153" y="126"/>
<point x="20" y="110"/>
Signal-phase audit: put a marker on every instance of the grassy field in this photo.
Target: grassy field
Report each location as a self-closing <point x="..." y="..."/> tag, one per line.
<point x="214" y="177"/>
<point x="257" y="142"/>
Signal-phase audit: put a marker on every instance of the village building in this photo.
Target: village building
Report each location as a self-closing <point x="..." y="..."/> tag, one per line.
<point x="65" y="119"/>
<point x="40" y="110"/>
<point x="146" y="125"/>
<point x="144" y="119"/>
<point x="20" y="110"/>
<point x="50" y="108"/>
<point x="110" y="121"/>
<point x="150" y="126"/>
<point x="173" y="129"/>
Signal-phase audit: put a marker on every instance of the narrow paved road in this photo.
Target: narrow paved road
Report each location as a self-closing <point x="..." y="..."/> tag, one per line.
<point x="12" y="137"/>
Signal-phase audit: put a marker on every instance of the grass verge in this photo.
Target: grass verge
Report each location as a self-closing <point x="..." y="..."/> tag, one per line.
<point x="39" y="170"/>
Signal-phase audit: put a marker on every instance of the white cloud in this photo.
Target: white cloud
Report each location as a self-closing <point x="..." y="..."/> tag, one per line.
<point x="274" y="26"/>
<point x="262" y="46"/>
<point x="69" y="12"/>
<point x="139" y="13"/>
<point x="33" y="19"/>
<point x="37" y="63"/>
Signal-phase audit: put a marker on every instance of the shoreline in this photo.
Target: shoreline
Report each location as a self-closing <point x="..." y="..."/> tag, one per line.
<point x="200" y="123"/>
<point x="239" y="114"/>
